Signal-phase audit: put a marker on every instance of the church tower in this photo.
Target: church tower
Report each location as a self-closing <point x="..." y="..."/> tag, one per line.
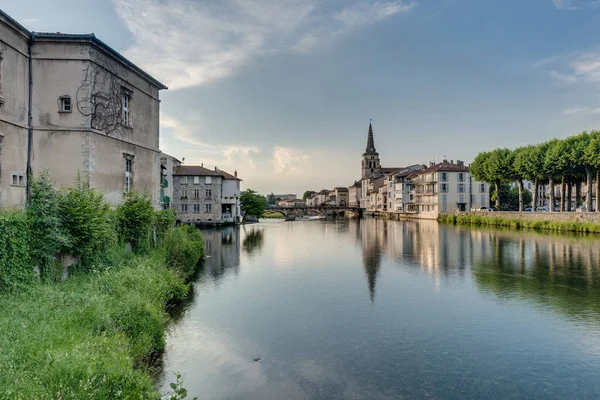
<point x="370" y="159"/>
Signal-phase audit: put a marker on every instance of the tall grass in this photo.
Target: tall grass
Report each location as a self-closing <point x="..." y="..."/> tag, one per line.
<point x="520" y="223"/>
<point x="87" y="338"/>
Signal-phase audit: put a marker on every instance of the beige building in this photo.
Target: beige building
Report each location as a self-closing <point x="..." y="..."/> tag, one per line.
<point x="354" y="194"/>
<point x="70" y="104"/>
<point x="291" y="203"/>
<point x="446" y="187"/>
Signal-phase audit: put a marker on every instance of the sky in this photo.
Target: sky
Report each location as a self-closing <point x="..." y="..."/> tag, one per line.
<point x="283" y="90"/>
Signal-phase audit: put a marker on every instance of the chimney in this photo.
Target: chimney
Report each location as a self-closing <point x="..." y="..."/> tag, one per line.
<point x="216" y="168"/>
<point x="460" y="163"/>
<point x="235" y="173"/>
<point x="202" y="165"/>
<point x="451" y="162"/>
<point x="445" y="162"/>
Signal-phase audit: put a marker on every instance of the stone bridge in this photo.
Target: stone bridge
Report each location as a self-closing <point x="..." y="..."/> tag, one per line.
<point x="299" y="211"/>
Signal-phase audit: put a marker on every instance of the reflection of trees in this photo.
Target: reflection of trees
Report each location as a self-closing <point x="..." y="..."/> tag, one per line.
<point x="253" y="240"/>
<point x="560" y="273"/>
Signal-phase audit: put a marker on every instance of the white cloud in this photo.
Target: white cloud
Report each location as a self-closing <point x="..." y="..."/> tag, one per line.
<point x="574" y="4"/>
<point x="581" y="111"/>
<point x="563" y="78"/>
<point x="186" y="43"/>
<point x="287" y="159"/>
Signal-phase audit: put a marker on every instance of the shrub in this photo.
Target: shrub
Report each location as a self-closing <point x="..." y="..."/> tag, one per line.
<point x="163" y="221"/>
<point x="16" y="267"/>
<point x="47" y="233"/>
<point x="134" y="220"/>
<point x="87" y="218"/>
<point x="184" y="248"/>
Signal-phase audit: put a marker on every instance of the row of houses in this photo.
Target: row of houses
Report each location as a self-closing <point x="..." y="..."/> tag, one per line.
<point x="72" y="105"/>
<point x="336" y="197"/>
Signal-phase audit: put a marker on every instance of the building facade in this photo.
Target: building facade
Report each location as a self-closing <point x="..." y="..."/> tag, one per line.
<point x="204" y="195"/>
<point x="72" y="105"/>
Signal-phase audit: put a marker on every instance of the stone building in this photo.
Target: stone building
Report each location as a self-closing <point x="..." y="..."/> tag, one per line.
<point x="204" y="195"/>
<point x="70" y="104"/>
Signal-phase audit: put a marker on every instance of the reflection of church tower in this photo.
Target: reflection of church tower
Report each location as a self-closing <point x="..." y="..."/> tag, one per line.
<point x="370" y="159"/>
<point x="371" y="254"/>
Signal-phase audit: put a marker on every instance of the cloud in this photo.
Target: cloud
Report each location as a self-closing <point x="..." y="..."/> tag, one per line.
<point x="287" y="159"/>
<point x="563" y="78"/>
<point x="581" y="111"/>
<point x="187" y="43"/>
<point x="573" y="68"/>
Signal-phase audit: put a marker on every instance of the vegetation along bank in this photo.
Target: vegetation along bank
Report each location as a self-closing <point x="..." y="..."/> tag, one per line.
<point x="543" y="221"/>
<point x="89" y="336"/>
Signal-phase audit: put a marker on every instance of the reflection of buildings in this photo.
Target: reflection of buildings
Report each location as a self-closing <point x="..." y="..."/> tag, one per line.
<point x="222" y="250"/>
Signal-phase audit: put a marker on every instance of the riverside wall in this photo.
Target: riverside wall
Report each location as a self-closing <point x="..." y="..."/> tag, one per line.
<point x="540" y="216"/>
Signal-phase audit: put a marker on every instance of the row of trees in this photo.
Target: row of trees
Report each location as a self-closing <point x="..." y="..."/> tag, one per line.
<point x="570" y="162"/>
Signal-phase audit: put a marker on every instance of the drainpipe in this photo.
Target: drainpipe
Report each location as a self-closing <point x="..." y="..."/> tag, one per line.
<point x="29" y="121"/>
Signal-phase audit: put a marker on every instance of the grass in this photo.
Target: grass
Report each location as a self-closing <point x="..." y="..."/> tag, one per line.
<point x="88" y="337"/>
<point x="520" y="223"/>
<point x="273" y="215"/>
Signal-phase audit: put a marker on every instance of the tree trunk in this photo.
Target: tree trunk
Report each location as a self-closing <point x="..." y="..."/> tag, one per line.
<point x="563" y="194"/>
<point x="569" y="194"/>
<point x="551" y="205"/>
<point x="577" y="194"/>
<point x="588" y="195"/>
<point x="520" y="186"/>
<point x="534" y="200"/>
<point x="597" y="190"/>
<point x="497" y="183"/>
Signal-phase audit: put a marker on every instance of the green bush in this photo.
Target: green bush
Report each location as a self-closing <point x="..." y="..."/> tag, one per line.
<point x="47" y="234"/>
<point x="163" y="221"/>
<point x="89" y="222"/>
<point x="184" y="248"/>
<point x="134" y="220"/>
<point x="16" y="267"/>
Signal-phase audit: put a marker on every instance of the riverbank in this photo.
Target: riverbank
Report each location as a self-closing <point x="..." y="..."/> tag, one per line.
<point x="90" y="336"/>
<point x="561" y="222"/>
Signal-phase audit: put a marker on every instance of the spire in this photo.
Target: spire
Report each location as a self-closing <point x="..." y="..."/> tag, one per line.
<point x="370" y="140"/>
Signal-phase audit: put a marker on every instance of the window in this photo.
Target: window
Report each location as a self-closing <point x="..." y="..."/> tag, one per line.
<point x="128" y="172"/>
<point x="196" y="208"/>
<point x="461" y="188"/>
<point x="126" y="110"/>
<point x="196" y="180"/>
<point x="184" y="194"/>
<point x="196" y="193"/>
<point x="184" y="208"/>
<point x="208" y="180"/>
<point x="444" y="177"/>
<point x="18" y="179"/>
<point x="208" y="208"/>
<point x="64" y="104"/>
<point x="482" y="188"/>
<point x="461" y="177"/>
<point x="529" y="185"/>
<point x="444" y="188"/>
<point x="208" y="193"/>
<point x="184" y="180"/>
<point x="163" y="160"/>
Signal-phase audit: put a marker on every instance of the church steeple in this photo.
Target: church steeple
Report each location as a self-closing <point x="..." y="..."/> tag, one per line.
<point x="370" y="141"/>
<point x="370" y="165"/>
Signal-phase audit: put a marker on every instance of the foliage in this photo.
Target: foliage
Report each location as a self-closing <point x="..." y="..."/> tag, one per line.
<point x="87" y="218"/>
<point x="134" y="220"/>
<point x="184" y="248"/>
<point x="179" y="392"/>
<point x="16" y="269"/>
<point x="47" y="234"/>
<point x="163" y="221"/>
<point x="307" y="194"/>
<point x="509" y="197"/>
<point x="273" y="215"/>
<point x="82" y="338"/>
<point x="252" y="203"/>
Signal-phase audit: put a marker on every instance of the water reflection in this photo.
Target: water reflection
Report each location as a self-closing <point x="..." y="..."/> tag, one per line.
<point x="374" y="309"/>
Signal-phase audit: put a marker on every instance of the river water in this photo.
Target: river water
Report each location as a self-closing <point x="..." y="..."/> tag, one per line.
<point x="375" y="309"/>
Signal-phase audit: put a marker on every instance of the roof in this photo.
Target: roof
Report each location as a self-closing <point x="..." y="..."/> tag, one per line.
<point x="444" y="166"/>
<point x="388" y="170"/>
<point x="356" y="184"/>
<point x="197" y="170"/>
<point x="341" y="189"/>
<point x="17" y="25"/>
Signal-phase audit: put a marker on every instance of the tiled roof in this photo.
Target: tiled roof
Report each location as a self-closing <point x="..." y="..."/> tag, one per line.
<point x="447" y="167"/>
<point x="196" y="170"/>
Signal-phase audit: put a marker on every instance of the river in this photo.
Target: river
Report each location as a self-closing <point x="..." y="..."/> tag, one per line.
<point x="374" y="309"/>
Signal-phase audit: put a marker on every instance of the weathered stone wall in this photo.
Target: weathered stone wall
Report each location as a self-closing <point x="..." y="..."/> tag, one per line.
<point x="214" y="200"/>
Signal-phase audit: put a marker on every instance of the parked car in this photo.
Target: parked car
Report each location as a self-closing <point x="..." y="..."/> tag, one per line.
<point x="544" y="208"/>
<point x="482" y="209"/>
<point x="529" y="209"/>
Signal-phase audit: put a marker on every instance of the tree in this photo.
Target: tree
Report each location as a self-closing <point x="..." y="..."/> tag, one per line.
<point x="307" y="194"/>
<point x="532" y="164"/>
<point x="494" y="167"/>
<point x="592" y="158"/>
<point x="509" y="197"/>
<point x="253" y="204"/>
<point x="519" y="171"/>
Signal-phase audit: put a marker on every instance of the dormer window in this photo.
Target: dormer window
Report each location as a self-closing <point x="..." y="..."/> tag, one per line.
<point x="64" y="104"/>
